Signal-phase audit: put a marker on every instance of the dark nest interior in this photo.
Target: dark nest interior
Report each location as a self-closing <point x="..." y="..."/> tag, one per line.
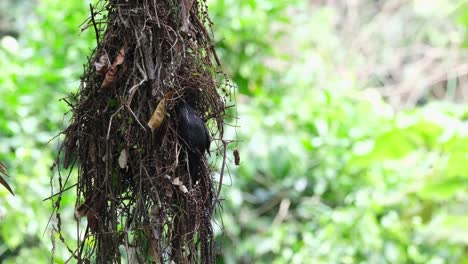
<point x="151" y="99"/>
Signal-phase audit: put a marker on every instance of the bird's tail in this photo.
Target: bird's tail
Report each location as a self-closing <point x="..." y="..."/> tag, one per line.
<point x="195" y="167"/>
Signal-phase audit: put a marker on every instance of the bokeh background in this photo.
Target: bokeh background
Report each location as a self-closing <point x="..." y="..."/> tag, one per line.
<point x="352" y="129"/>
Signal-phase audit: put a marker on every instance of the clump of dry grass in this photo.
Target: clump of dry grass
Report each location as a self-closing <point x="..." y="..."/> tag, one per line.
<point x="134" y="185"/>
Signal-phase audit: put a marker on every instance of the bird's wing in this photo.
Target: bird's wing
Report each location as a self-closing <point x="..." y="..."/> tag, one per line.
<point x="208" y="141"/>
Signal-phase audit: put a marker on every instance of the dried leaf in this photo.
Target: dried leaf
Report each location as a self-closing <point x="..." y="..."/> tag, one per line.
<point x="102" y="65"/>
<point x="109" y="79"/>
<point x="236" y="157"/>
<point x="183" y="189"/>
<point x="120" y="57"/>
<point x="123" y="159"/>
<point x="5" y="184"/>
<point x="89" y="209"/>
<point x="112" y="72"/>
<point x="176" y="181"/>
<point x="158" y="115"/>
<point x="168" y="95"/>
<point x="3" y="170"/>
<point x="81" y="211"/>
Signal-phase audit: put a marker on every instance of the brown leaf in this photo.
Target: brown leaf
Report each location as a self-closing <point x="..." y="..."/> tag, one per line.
<point x="109" y="79"/>
<point x="5" y="184"/>
<point x="81" y="210"/>
<point x="112" y="72"/>
<point x="168" y="95"/>
<point x="159" y="113"/>
<point x="236" y="157"/>
<point x="89" y="209"/>
<point x="3" y="170"/>
<point x="153" y="248"/>
<point x="120" y="57"/>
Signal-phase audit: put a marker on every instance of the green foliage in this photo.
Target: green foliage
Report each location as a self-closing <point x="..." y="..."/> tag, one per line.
<point x="38" y="70"/>
<point x="248" y="37"/>
<point x="461" y="16"/>
<point x="330" y="173"/>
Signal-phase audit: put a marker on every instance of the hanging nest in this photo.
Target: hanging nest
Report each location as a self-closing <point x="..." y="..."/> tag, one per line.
<point x="136" y="185"/>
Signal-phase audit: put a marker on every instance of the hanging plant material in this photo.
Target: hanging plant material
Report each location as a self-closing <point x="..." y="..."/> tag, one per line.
<point x="148" y="192"/>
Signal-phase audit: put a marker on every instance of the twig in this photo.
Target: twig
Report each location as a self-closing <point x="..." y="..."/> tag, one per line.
<point x="94" y="25"/>
<point x="221" y="174"/>
<point x="136" y="118"/>
<point x="133" y="90"/>
<point x="282" y="211"/>
<point x="110" y="122"/>
<point x="60" y="192"/>
<point x="215" y="55"/>
<point x="149" y="65"/>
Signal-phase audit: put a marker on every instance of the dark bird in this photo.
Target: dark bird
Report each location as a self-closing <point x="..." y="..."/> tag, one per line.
<point x="194" y="133"/>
